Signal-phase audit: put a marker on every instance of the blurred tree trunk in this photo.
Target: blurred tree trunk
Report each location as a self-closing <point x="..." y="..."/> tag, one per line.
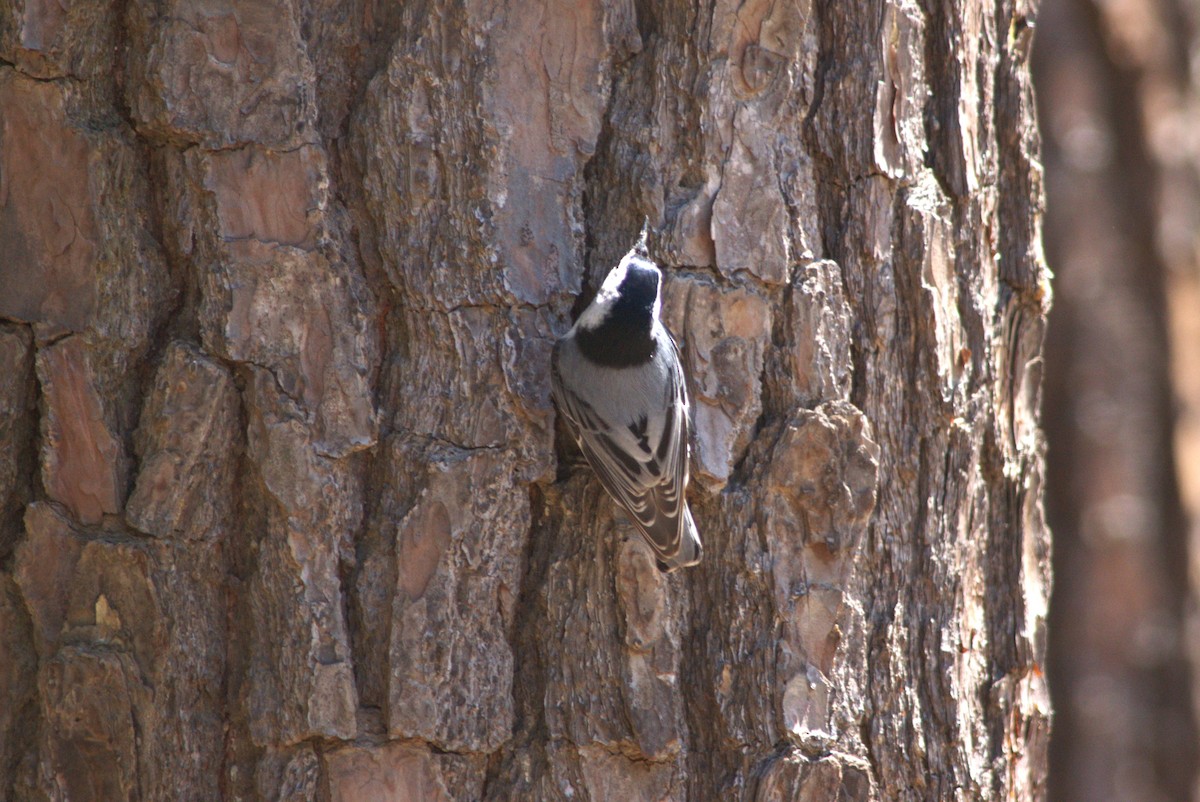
<point x="284" y="516"/>
<point x="1120" y="109"/>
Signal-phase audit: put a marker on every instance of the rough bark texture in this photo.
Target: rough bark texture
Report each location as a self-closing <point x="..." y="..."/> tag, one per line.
<point x="283" y="514"/>
<point x="1121" y="109"/>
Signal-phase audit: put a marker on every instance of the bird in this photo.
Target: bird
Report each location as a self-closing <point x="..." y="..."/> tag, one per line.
<point x="618" y="383"/>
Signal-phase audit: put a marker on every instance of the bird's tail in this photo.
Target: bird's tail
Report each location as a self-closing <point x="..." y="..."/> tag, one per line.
<point x="690" y="550"/>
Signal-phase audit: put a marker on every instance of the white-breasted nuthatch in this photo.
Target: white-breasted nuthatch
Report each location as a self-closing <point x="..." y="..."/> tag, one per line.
<point x="618" y="383"/>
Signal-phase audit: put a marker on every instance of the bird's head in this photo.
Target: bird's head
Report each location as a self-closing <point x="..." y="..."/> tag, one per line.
<point x="631" y="290"/>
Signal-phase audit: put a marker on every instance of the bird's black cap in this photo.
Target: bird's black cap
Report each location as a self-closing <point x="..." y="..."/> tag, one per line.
<point x="622" y="334"/>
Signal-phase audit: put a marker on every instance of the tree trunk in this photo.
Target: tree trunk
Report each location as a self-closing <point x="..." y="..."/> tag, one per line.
<point x="285" y="515"/>
<point x="1120" y="112"/>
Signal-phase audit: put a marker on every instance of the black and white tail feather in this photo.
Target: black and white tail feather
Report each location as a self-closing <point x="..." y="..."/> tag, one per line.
<point x="619" y="385"/>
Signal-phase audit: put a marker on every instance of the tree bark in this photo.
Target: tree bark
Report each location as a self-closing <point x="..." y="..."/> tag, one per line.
<point x="285" y="515"/>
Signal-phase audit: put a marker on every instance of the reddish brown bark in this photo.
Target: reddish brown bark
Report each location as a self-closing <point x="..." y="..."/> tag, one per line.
<point x="285" y="516"/>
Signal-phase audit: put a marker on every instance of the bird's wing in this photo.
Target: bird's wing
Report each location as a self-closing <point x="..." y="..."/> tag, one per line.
<point x="645" y="471"/>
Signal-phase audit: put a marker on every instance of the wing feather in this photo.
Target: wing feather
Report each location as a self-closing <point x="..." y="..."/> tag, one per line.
<point x="648" y="485"/>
